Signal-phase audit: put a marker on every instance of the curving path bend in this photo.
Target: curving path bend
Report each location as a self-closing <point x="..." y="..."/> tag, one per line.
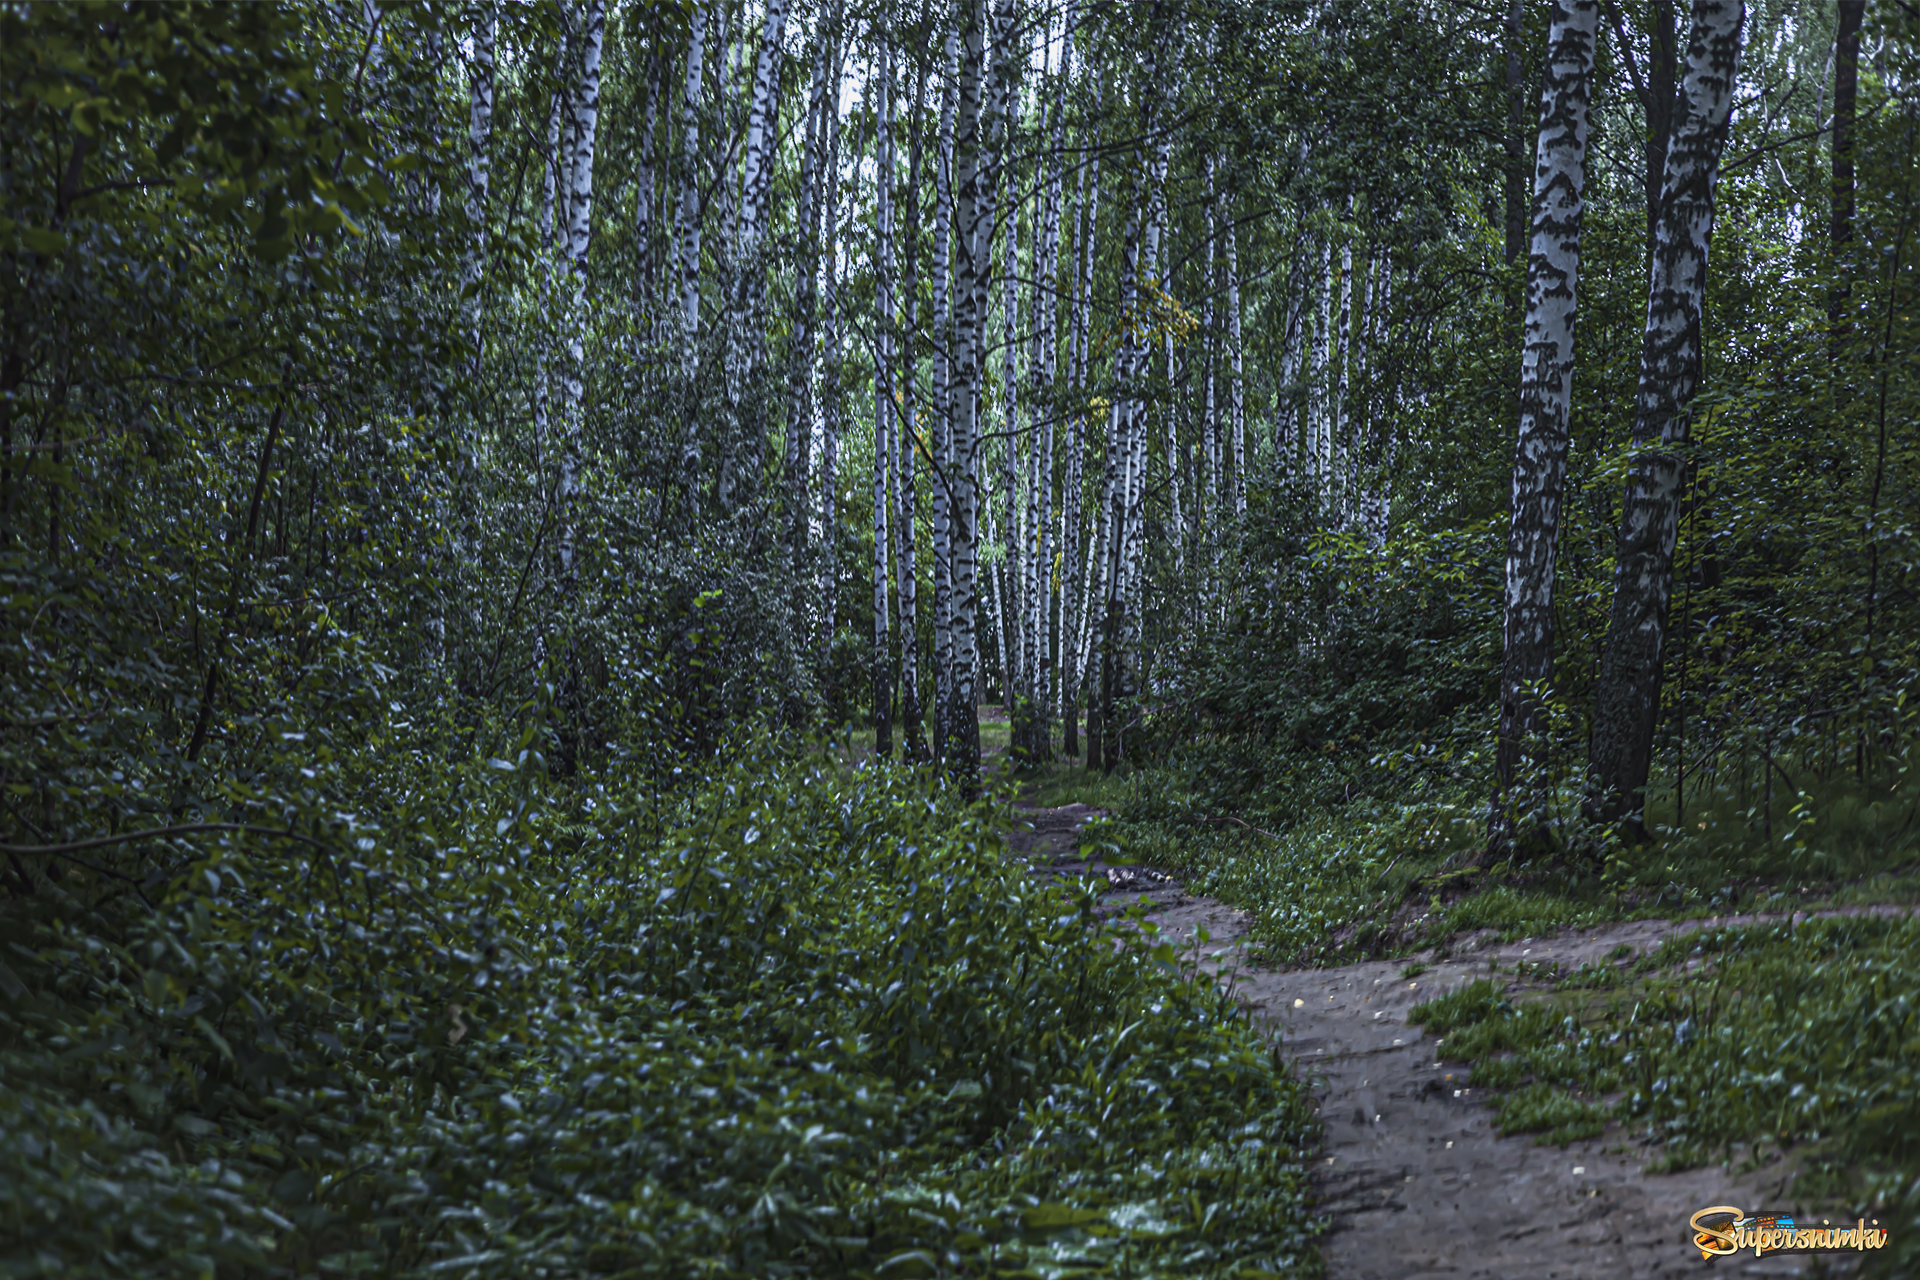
<point x="1414" y="1180"/>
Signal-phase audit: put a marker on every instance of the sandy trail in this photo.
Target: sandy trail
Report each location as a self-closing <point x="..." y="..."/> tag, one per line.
<point x="1414" y="1180"/>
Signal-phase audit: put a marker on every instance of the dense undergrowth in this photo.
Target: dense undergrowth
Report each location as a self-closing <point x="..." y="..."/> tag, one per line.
<point x="1725" y="1044"/>
<point x="1322" y="757"/>
<point x="804" y="1020"/>
<point x="1332" y="778"/>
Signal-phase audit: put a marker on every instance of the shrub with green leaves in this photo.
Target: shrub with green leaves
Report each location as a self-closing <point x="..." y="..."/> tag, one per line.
<point x="822" y="1025"/>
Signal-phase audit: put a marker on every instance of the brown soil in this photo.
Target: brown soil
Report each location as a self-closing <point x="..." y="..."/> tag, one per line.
<point x="1414" y="1180"/>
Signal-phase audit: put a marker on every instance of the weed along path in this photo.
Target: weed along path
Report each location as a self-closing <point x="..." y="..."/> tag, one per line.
<point x="1415" y="1180"/>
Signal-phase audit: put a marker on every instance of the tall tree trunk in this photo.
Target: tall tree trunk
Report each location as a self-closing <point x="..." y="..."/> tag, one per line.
<point x="1342" y="358"/>
<point x="1163" y="72"/>
<point x="479" y="169"/>
<point x="686" y="238"/>
<point x="1014" y="563"/>
<point x="1627" y="693"/>
<point x="1287" y="416"/>
<point x="1546" y="391"/>
<point x="830" y="394"/>
<point x="972" y="155"/>
<point x="726" y="51"/>
<point x="1044" y="366"/>
<point x="799" y="445"/>
<point x="1210" y="483"/>
<point x="943" y="448"/>
<point x="744" y="463"/>
<point x="585" y="115"/>
<point x="1846" y="92"/>
<point x="583" y="119"/>
<point x="884" y="407"/>
<point x="1115" y="492"/>
<point x="1319" y="434"/>
<point x="1237" y="384"/>
<point x="1079" y="555"/>
<point x="907" y="584"/>
<point x="546" y="226"/>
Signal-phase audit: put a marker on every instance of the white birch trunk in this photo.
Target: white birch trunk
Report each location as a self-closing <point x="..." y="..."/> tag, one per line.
<point x="1237" y="385"/>
<point x="1342" y="354"/>
<point x="800" y="344"/>
<point x="971" y="155"/>
<point x="1013" y="564"/>
<point x="549" y="198"/>
<point x="585" y="116"/>
<point x="686" y="218"/>
<point x="1213" y="482"/>
<point x="943" y="419"/>
<point x="830" y="391"/>
<point x="1076" y="546"/>
<point x="1287" y="424"/>
<point x="1627" y="692"/>
<point x="1320" y="437"/>
<point x="479" y="172"/>
<point x="907" y="584"/>
<point x="1546" y="382"/>
<point x="881" y="98"/>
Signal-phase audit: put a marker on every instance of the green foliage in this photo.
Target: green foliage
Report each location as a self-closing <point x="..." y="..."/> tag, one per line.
<point x="817" y="1025"/>
<point x="1729" y="1042"/>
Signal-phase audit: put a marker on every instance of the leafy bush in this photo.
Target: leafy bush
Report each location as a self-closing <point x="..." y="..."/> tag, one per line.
<point x="818" y="1025"/>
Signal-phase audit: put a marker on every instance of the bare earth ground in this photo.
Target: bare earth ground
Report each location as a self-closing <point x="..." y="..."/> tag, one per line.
<point x="1414" y="1180"/>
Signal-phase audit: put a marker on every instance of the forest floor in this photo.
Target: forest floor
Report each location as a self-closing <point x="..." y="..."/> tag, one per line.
<point x="1415" y="1181"/>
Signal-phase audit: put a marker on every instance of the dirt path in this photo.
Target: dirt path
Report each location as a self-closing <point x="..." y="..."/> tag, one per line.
<point x="1414" y="1180"/>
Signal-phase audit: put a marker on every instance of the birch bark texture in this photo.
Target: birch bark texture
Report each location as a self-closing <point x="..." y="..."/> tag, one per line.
<point x="479" y="173"/>
<point x="1627" y="695"/>
<point x="1546" y="384"/>
<point x="943" y="402"/>
<point x="971" y="155"/>
<point x="686" y="216"/>
<point x="802" y="340"/>
<point x="883" y="404"/>
<point x="907" y="436"/>
<point x="584" y="128"/>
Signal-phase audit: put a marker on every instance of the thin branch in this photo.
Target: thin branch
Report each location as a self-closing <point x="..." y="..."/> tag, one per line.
<point x="156" y="833"/>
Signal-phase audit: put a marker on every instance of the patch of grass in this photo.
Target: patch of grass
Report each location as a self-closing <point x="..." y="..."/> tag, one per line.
<point x="1727" y="1041"/>
<point x="1388" y="876"/>
<point x="1467" y="1006"/>
<point x="1316" y="891"/>
<point x="1070" y="782"/>
<point x="1557" y="1117"/>
<point x="1514" y="913"/>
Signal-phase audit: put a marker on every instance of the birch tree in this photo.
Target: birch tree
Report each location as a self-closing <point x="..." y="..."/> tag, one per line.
<point x="479" y="171"/>
<point x="1237" y="382"/>
<point x="1546" y="384"/>
<point x="830" y="388"/>
<point x="746" y="334"/>
<point x="943" y="409"/>
<point x="1078" y="547"/>
<point x="686" y="239"/>
<point x="907" y="579"/>
<point x="881" y="99"/>
<point x="822" y="99"/>
<point x="971" y="156"/>
<point x="1627" y="693"/>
